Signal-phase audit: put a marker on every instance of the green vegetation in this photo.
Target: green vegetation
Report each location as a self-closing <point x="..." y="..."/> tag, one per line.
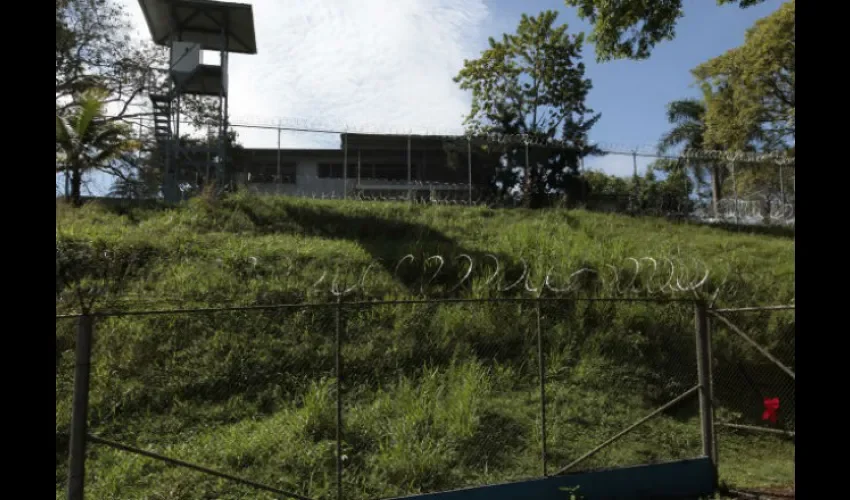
<point x="86" y="140"/>
<point x="436" y="395"/>
<point x="751" y="90"/>
<point x="748" y="104"/>
<point x="630" y="29"/>
<point x="532" y="83"/>
<point x="648" y="194"/>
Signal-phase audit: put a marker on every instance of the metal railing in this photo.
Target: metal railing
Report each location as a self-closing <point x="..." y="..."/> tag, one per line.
<point x="516" y="386"/>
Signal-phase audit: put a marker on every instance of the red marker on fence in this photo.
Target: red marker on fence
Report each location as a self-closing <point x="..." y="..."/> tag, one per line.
<point x="771" y="406"/>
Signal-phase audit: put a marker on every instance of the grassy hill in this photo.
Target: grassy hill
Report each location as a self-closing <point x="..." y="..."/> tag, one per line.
<point x="437" y="395"/>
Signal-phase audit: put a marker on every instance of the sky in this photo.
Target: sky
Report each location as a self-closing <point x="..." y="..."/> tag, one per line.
<point x="387" y="66"/>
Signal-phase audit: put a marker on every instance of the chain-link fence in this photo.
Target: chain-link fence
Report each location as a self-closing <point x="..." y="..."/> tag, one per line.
<point x="384" y="399"/>
<point x="724" y="187"/>
<point x="228" y="390"/>
<point x="611" y="365"/>
<point x="755" y="399"/>
<point x="65" y="349"/>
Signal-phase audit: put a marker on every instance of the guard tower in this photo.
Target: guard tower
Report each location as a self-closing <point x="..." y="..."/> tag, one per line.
<point x="188" y="28"/>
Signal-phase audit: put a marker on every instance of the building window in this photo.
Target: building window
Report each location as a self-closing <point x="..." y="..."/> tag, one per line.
<point x="397" y="172"/>
<point x="267" y="174"/>
<point x="334" y="170"/>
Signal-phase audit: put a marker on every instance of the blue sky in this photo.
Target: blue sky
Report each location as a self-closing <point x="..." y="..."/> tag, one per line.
<point x="632" y="95"/>
<point x="386" y="66"/>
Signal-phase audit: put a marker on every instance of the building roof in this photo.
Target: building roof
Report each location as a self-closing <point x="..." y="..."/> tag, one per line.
<point x="202" y="22"/>
<point x="455" y="146"/>
<point x="396" y="141"/>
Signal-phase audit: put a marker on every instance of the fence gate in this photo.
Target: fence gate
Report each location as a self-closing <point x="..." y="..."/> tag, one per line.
<point x="754" y="397"/>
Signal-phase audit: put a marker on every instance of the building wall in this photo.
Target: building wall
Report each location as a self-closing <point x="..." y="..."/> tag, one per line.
<point x="309" y="184"/>
<point x="385" y="164"/>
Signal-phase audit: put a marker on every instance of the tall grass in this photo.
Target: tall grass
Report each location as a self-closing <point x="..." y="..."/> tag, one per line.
<point x="436" y="395"/>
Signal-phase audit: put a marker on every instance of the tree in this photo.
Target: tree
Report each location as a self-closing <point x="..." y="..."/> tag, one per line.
<point x="750" y="101"/>
<point x="195" y="161"/>
<point x="600" y="183"/>
<point x="94" y="50"/>
<point x="137" y="181"/>
<point x="532" y="83"/>
<point x="97" y="60"/>
<point x="86" y="140"/>
<point x="751" y="89"/>
<point x="688" y="117"/>
<point x="673" y="193"/>
<point x="630" y="29"/>
<point x="648" y="193"/>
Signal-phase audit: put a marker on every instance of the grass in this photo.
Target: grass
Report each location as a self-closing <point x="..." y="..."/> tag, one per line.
<point x="436" y="396"/>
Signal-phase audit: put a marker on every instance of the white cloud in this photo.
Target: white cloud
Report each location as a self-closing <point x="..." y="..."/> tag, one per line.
<point x="383" y="64"/>
<point x="379" y="65"/>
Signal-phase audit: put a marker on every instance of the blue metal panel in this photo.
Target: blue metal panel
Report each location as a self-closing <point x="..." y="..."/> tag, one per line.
<point x="680" y="479"/>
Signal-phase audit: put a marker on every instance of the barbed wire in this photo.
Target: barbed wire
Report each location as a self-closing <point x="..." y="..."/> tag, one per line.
<point x="461" y="138"/>
<point x="301" y="125"/>
<point x="432" y="200"/>
<point x="435" y="276"/>
<point x="365" y="182"/>
<point x="367" y="188"/>
<point x="359" y="196"/>
<point x="755" y="210"/>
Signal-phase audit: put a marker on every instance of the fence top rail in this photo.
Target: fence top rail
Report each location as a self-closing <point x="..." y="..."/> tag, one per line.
<point x="756" y="308"/>
<point x="369" y="303"/>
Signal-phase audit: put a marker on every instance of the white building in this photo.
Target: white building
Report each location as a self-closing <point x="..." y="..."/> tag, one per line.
<point x="377" y="165"/>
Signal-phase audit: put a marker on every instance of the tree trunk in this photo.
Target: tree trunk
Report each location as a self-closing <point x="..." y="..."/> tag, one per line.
<point x="76" y="186"/>
<point x="716" y="192"/>
<point x="531" y="198"/>
<point x="67" y="185"/>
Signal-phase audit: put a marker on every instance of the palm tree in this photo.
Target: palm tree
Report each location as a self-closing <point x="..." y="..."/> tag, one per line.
<point x="688" y="119"/>
<point x="85" y="140"/>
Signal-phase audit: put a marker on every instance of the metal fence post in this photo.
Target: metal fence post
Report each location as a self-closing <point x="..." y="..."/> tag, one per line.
<point x="337" y="369"/>
<point x="541" y="363"/>
<point x="279" y="173"/>
<point x="735" y="188"/>
<point x="345" y="167"/>
<point x="469" y="165"/>
<point x="636" y="190"/>
<point x="706" y="408"/>
<point x="79" y="415"/>
<point x="709" y="325"/>
<point x="409" y="179"/>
